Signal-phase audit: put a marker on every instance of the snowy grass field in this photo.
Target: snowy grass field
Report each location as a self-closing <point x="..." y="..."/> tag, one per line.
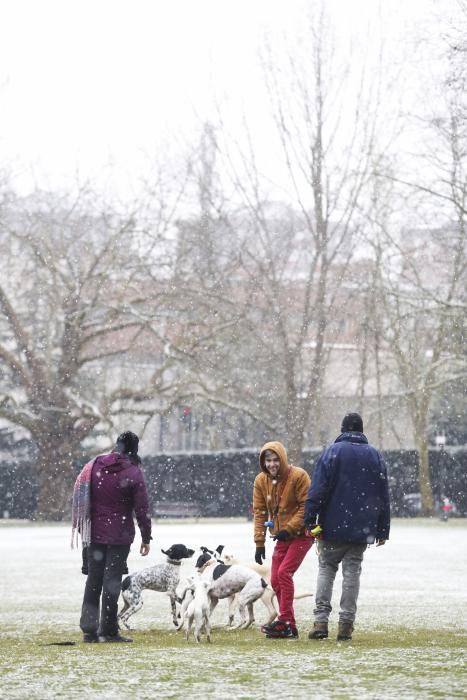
<point x="409" y="642"/>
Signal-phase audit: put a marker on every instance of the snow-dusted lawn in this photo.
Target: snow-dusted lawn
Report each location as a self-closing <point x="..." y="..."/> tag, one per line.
<point x="415" y="584"/>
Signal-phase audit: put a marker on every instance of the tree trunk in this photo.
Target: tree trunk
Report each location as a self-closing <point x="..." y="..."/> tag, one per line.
<point x="424" y="474"/>
<point x="295" y="447"/>
<point x="55" y="479"/>
<point x="293" y="430"/>
<point x="298" y="412"/>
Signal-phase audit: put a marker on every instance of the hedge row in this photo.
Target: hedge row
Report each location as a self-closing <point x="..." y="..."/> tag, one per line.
<point x="219" y="484"/>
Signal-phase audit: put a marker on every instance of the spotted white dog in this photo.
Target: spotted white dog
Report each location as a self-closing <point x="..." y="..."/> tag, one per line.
<point x="161" y="577"/>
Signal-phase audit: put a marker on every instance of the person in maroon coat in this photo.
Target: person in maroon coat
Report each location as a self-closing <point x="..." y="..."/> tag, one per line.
<point x="107" y="492"/>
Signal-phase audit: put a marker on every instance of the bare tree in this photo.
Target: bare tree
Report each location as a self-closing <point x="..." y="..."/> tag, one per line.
<point x="65" y="312"/>
<point x="191" y="313"/>
<point x="424" y="295"/>
<point x="296" y="255"/>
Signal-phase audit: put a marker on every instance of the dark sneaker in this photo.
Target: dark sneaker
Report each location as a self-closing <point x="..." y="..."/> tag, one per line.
<point x="107" y="638"/>
<point x="319" y="631"/>
<point x="344" y="631"/>
<point x="90" y="637"/>
<point x="282" y="630"/>
<point x="271" y="626"/>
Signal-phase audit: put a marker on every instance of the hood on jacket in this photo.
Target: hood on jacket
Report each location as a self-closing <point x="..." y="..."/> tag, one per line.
<point x="353" y="436"/>
<point x="113" y="462"/>
<point x="280" y="450"/>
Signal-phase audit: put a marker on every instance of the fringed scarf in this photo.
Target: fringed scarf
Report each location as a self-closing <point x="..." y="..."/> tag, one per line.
<point x="81" y="509"/>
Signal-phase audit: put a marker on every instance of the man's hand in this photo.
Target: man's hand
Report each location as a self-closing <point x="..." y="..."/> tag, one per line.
<point x="260" y="555"/>
<point x="314" y="531"/>
<point x="281" y="536"/>
<point x="144" y="549"/>
<point x="380" y="542"/>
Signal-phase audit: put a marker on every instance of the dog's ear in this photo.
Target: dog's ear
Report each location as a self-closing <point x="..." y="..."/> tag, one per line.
<point x="202" y="559"/>
<point x="167" y="553"/>
<point x="219" y="549"/>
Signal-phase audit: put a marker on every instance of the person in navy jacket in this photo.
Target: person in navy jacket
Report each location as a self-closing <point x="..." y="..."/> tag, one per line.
<point x="349" y="500"/>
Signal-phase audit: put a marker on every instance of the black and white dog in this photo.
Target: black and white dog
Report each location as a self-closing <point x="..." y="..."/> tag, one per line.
<point x="161" y="577"/>
<point x="227" y="581"/>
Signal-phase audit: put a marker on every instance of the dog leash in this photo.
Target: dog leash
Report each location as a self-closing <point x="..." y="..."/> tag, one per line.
<point x="277" y="490"/>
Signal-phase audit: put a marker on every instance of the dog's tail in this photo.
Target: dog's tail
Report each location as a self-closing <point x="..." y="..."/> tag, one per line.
<point x="299" y="596"/>
<point x="126" y="583"/>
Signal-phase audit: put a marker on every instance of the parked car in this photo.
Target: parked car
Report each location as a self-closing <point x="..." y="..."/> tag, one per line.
<point x="411" y="505"/>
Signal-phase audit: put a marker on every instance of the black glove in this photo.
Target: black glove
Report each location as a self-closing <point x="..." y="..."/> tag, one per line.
<point x="281" y="536"/>
<point x="260" y="554"/>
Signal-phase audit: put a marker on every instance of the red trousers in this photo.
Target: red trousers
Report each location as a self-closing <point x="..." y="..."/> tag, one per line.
<point x="287" y="557"/>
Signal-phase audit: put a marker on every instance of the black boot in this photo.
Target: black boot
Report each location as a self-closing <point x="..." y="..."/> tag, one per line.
<point x="344" y="632"/>
<point x="319" y="631"/>
<point x="90" y="637"/>
<point x="105" y="638"/>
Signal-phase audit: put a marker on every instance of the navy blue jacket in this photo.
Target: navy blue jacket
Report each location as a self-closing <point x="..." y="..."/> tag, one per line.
<point x="349" y="494"/>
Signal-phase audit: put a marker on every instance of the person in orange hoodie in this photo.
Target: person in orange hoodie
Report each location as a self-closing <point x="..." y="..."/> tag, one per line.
<point x="279" y="494"/>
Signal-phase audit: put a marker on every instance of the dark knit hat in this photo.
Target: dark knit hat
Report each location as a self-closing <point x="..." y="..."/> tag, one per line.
<point x="129" y="441"/>
<point x="352" y="422"/>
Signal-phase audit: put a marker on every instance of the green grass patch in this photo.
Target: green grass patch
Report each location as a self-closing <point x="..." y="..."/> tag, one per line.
<point x="410" y="639"/>
<point x="383" y="662"/>
<point x="46" y="641"/>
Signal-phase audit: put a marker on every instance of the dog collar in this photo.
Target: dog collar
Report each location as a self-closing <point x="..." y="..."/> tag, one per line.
<point x="175" y="562"/>
<point x="210" y="562"/>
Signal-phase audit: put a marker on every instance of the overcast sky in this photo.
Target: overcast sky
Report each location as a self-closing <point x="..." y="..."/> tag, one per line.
<point x="85" y="84"/>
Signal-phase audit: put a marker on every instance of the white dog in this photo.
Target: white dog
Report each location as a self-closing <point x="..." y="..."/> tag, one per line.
<point x="185" y="593"/>
<point x="198" y="610"/>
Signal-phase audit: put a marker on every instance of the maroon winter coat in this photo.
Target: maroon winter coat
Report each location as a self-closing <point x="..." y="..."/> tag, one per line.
<point x="117" y="489"/>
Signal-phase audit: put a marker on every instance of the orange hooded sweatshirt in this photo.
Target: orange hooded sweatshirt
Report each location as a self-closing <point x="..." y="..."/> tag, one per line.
<point x="281" y="499"/>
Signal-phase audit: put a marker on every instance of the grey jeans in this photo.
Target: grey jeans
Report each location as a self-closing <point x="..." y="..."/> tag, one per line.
<point x="331" y="554"/>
